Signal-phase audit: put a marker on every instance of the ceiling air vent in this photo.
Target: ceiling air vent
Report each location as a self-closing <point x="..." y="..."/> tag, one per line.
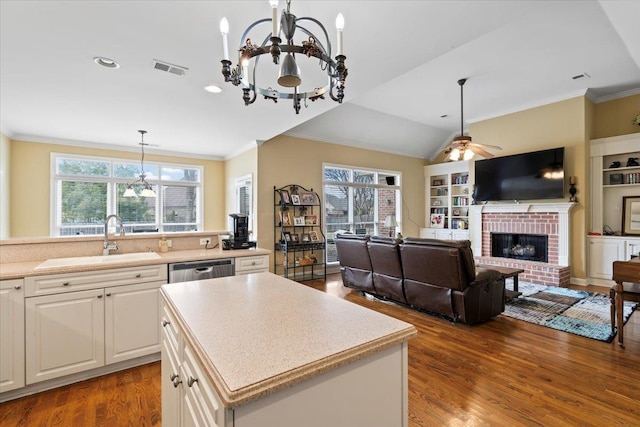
<point x="169" y="68"/>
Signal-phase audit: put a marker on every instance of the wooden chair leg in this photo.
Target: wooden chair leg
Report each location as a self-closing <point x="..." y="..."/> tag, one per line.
<point x="612" y="297"/>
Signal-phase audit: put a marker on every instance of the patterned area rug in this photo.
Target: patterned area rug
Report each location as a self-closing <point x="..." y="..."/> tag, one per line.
<point x="578" y="312"/>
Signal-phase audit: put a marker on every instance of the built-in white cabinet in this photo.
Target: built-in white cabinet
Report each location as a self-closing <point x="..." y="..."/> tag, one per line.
<point x="432" y="233"/>
<point x="602" y="253"/>
<point x="11" y="334"/>
<point x="449" y="188"/>
<point x="74" y="323"/>
<point x="252" y="264"/>
<point x="611" y="181"/>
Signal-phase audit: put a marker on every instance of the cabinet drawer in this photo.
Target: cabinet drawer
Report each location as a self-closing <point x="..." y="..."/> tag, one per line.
<point x="252" y="264"/>
<point x="198" y="386"/>
<point x="170" y="330"/>
<point x="68" y="282"/>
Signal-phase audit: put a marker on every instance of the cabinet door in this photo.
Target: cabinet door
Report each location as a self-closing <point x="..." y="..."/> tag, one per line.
<point x="602" y="254"/>
<point x="170" y="384"/>
<point x="11" y="335"/>
<point x="132" y="321"/>
<point x="633" y="248"/>
<point x="64" y="334"/>
<point x="200" y="403"/>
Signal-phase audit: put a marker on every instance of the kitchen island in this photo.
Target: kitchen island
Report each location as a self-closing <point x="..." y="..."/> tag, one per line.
<point x="261" y="350"/>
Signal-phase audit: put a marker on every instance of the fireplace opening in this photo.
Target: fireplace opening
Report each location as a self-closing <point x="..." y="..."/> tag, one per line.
<point x="528" y="247"/>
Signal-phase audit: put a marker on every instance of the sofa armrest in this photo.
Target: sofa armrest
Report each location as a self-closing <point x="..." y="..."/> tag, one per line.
<point x="485" y="277"/>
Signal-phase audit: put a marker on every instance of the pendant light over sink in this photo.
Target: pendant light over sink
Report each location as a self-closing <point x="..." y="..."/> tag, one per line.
<point x="147" y="190"/>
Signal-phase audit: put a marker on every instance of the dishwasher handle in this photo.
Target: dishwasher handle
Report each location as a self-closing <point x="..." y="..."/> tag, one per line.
<point x="201" y="270"/>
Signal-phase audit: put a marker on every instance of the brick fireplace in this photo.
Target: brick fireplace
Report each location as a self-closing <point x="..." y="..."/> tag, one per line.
<point x="541" y="219"/>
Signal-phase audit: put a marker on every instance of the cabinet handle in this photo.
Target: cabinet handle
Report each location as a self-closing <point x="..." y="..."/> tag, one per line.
<point x="66" y="283"/>
<point x="253" y="263"/>
<point x="191" y="381"/>
<point x="138" y="276"/>
<point x="109" y="294"/>
<point x="176" y="381"/>
<point x="165" y="323"/>
<point x="173" y="377"/>
<point x="17" y="286"/>
<point x="99" y="296"/>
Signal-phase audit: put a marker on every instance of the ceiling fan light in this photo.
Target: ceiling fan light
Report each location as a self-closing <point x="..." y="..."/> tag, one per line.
<point x="454" y="155"/>
<point x="468" y="155"/>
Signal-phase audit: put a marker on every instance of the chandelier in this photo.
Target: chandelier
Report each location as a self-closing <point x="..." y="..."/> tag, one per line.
<point x="147" y="191"/>
<point x="244" y="73"/>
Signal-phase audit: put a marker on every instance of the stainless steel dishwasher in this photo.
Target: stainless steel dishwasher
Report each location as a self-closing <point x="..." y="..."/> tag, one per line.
<point x="199" y="270"/>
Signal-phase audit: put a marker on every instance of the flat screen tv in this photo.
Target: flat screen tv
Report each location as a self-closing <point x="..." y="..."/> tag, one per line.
<point x="527" y="176"/>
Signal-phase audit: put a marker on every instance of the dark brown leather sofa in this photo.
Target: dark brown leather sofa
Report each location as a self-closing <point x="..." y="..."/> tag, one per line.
<point x="438" y="276"/>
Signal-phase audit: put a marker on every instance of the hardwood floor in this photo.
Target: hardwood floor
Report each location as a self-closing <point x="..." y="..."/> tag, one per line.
<point x="504" y="372"/>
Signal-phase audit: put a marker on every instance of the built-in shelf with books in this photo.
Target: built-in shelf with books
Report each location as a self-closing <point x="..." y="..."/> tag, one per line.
<point x="300" y="244"/>
<point x="447" y="202"/>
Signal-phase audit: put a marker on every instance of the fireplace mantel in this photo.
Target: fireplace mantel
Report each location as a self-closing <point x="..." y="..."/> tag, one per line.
<point x="561" y="209"/>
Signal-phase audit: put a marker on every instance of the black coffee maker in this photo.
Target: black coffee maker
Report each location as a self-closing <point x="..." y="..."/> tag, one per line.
<point x="239" y="238"/>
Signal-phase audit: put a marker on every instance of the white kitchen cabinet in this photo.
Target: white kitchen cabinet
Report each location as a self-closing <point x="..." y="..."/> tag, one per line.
<point x="132" y="314"/>
<point x="200" y="403"/>
<point x="170" y="381"/>
<point x="64" y="334"/>
<point x="74" y="322"/>
<point x="252" y="264"/>
<point x="11" y="334"/>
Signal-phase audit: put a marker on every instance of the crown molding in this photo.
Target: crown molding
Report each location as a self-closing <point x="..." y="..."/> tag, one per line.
<point x="614" y="96"/>
<point x="112" y="147"/>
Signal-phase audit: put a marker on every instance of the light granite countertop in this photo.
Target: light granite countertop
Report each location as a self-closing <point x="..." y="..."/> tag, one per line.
<point x="259" y="333"/>
<point x="19" y="270"/>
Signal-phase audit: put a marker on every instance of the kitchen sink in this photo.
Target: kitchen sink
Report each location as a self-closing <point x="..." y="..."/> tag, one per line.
<point x="97" y="260"/>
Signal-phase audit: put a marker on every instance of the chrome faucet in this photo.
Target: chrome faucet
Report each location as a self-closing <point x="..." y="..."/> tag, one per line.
<point x="108" y="247"/>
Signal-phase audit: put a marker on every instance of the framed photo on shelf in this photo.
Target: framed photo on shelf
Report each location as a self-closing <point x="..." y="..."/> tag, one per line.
<point x="308" y="198"/>
<point x="306" y="238"/>
<point x="310" y="220"/>
<point x="286" y="236"/>
<point x="285" y="197"/>
<point x="313" y="235"/>
<point x="295" y="199"/>
<point x="631" y="216"/>
<point x="437" y="182"/>
<point x="295" y="238"/>
<point x="437" y="220"/>
<point x="298" y="220"/>
<point x="285" y="218"/>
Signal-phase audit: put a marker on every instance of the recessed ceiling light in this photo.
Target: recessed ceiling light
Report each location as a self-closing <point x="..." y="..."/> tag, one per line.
<point x="212" y="89"/>
<point x="106" y="62"/>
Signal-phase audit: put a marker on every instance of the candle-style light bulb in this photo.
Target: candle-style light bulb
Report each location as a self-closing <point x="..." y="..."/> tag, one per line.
<point x="274" y="17"/>
<point x="340" y="27"/>
<point x="224" y="30"/>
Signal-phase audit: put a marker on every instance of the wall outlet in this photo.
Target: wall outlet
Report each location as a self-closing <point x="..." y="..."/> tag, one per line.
<point x="205" y="241"/>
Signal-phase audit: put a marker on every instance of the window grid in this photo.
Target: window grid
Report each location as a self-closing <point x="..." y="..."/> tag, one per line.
<point x="84" y="212"/>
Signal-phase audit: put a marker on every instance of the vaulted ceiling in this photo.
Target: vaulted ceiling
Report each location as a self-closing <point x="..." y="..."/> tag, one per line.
<point x="404" y="59"/>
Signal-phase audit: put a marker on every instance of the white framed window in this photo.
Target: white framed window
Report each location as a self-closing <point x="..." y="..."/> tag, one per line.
<point x="359" y="200"/>
<point x="244" y="197"/>
<point x="86" y="189"/>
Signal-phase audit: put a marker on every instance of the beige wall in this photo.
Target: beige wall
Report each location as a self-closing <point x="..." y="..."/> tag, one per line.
<point x="615" y="117"/>
<point x="30" y="184"/>
<point x="288" y="160"/>
<point x="562" y="124"/>
<point x="5" y="176"/>
<point x="242" y="165"/>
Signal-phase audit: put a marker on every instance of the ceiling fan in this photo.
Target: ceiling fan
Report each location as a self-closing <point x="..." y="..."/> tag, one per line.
<point x="461" y="148"/>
